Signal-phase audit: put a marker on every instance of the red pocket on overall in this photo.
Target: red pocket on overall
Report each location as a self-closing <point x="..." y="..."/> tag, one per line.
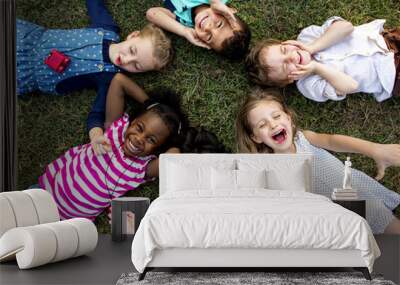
<point x="57" y="61"/>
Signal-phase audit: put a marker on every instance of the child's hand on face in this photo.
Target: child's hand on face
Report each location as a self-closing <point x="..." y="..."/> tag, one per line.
<point x="303" y="70"/>
<point x="101" y="145"/>
<point x="386" y="155"/>
<point x="191" y="36"/>
<point x="300" y="45"/>
<point x="225" y="11"/>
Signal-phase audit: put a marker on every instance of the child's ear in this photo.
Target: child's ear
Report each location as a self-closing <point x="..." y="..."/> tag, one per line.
<point x="255" y="139"/>
<point x="133" y="35"/>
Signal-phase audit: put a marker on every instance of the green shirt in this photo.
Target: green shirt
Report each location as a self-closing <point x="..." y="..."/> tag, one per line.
<point x="183" y="9"/>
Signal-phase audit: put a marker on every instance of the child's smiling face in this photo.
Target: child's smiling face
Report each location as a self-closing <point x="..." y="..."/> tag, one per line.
<point x="212" y="28"/>
<point x="145" y="134"/>
<point x="281" y="61"/>
<point x="271" y="126"/>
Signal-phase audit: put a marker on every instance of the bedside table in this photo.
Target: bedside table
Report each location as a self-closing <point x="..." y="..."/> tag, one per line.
<point x="357" y="206"/>
<point x="121" y="226"/>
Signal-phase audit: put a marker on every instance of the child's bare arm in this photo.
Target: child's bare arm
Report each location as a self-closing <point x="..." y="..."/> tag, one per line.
<point x="130" y="88"/>
<point x="339" y="80"/>
<point x="166" y="20"/>
<point x="335" y="33"/>
<point x="152" y="167"/>
<point x="385" y="155"/>
<point x="340" y="143"/>
<point x="121" y="85"/>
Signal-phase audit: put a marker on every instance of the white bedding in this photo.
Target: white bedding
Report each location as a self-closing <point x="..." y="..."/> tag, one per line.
<point x="253" y="218"/>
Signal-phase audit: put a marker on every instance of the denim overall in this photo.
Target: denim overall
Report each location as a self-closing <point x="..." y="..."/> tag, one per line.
<point x="83" y="46"/>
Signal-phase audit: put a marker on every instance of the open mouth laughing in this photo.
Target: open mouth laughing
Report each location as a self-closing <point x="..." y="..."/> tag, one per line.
<point x="202" y="22"/>
<point x="280" y="137"/>
<point x="300" y="58"/>
<point x="132" y="148"/>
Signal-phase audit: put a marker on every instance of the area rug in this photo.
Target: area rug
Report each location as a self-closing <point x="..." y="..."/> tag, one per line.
<point x="243" y="278"/>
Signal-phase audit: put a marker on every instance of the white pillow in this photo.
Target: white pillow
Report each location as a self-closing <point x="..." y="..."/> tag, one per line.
<point x="223" y="179"/>
<point x="182" y="177"/>
<point x="293" y="180"/>
<point x="231" y="180"/>
<point x="251" y="178"/>
<point x="223" y="164"/>
<point x="281" y="174"/>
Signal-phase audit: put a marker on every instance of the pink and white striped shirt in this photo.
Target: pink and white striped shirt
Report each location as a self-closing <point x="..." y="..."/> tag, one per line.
<point x="83" y="184"/>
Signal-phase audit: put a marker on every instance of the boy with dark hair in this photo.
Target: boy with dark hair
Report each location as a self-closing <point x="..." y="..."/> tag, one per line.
<point x="208" y="24"/>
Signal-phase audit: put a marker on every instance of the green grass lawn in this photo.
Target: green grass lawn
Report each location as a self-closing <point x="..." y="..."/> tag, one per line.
<point x="211" y="87"/>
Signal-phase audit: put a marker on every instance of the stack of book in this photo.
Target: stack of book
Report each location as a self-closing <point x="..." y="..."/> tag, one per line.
<point x="344" y="194"/>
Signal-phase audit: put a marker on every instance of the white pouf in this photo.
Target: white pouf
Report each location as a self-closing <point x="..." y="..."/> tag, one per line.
<point x="6" y="215"/>
<point x="45" y="205"/>
<point x="31" y="233"/>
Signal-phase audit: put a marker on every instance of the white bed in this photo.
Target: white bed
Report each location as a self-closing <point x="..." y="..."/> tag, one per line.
<point x="219" y="210"/>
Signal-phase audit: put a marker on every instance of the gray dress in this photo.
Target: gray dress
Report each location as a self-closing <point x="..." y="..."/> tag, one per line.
<point x="328" y="174"/>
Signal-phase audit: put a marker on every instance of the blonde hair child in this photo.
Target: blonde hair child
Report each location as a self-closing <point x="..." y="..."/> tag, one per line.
<point x="266" y="125"/>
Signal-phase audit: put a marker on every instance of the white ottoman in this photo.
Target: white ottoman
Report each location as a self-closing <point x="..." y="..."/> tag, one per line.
<point x="30" y="230"/>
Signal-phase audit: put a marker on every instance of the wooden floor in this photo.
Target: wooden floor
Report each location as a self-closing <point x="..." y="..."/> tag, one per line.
<point x="110" y="259"/>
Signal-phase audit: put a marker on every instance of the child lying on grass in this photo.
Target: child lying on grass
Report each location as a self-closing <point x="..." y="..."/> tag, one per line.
<point x="86" y="178"/>
<point x="95" y="55"/>
<point x="332" y="60"/>
<point x="208" y="24"/>
<point x="265" y="124"/>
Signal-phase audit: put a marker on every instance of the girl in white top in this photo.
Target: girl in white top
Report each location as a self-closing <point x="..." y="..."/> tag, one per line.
<point x="329" y="61"/>
<point x="266" y="125"/>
